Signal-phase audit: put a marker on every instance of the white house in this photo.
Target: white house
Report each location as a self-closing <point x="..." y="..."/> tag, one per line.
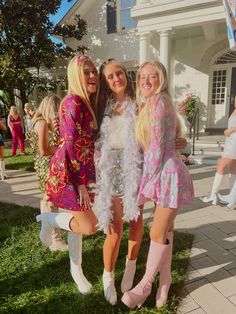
<point x="188" y="36"/>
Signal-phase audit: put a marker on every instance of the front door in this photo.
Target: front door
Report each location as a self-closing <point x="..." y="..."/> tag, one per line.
<point x="217" y="106"/>
<point x="232" y="91"/>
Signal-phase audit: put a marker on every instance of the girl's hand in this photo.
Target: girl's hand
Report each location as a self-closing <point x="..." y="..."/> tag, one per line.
<point x="96" y="153"/>
<point x="56" y="123"/>
<point x="180" y="143"/>
<point x="84" y="199"/>
<point x="227" y="132"/>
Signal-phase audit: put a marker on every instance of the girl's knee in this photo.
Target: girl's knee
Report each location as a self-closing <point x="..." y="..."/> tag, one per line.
<point x="90" y="229"/>
<point x="86" y="227"/>
<point x="115" y="233"/>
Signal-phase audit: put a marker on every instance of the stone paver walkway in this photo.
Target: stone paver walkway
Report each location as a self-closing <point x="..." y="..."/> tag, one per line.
<point x="210" y="286"/>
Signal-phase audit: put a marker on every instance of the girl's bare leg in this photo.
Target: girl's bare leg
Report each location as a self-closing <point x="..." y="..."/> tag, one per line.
<point x="135" y="237"/>
<point x="83" y="222"/>
<point x="1" y="153"/>
<point x="134" y="242"/>
<point x="111" y="250"/>
<point x="223" y="163"/>
<point x="112" y="242"/>
<point x="163" y="221"/>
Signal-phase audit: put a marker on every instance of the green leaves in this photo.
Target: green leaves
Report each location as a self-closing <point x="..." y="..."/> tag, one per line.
<point x="26" y="44"/>
<point x="188" y="105"/>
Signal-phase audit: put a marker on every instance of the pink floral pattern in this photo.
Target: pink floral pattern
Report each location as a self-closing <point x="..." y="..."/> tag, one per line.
<point x="72" y="164"/>
<point x="166" y="179"/>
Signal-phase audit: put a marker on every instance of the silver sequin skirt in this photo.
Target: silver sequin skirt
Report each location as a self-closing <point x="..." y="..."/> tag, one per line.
<point x="117" y="175"/>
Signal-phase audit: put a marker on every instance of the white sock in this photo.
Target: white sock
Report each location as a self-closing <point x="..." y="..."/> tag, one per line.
<point x="109" y="287"/>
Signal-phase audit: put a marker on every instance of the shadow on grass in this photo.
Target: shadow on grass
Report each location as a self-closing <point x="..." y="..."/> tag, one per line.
<point x="35" y="280"/>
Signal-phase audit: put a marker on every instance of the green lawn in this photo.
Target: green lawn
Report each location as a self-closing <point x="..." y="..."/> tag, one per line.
<point x="35" y="280"/>
<point x="19" y="162"/>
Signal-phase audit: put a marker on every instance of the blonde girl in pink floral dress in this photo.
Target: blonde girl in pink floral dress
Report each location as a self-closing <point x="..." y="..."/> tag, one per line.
<point x="165" y="179"/>
<point x="71" y="170"/>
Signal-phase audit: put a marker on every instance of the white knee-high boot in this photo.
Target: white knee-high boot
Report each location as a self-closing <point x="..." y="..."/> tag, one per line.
<point x="229" y="199"/>
<point x="2" y="170"/>
<point x="57" y="243"/>
<point x="128" y="277"/>
<point x="75" y="254"/>
<point x="49" y="221"/>
<point x="232" y="178"/>
<point x="212" y="197"/>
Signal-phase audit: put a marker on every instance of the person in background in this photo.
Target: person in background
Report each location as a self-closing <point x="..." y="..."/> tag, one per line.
<point x="3" y="128"/>
<point x="71" y="170"/>
<point x="29" y="113"/>
<point x="165" y="180"/>
<point x="14" y="123"/>
<point x="227" y="161"/>
<point x="44" y="142"/>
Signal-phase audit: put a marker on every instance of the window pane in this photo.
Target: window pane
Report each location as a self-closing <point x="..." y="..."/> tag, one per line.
<point x="126" y="20"/>
<point x="125" y="14"/>
<point x="125" y="4"/>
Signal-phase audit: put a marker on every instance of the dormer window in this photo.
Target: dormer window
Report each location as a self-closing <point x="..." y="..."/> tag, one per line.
<point x="119" y="15"/>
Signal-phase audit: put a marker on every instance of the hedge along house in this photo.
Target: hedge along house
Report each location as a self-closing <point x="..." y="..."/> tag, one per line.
<point x="188" y="36"/>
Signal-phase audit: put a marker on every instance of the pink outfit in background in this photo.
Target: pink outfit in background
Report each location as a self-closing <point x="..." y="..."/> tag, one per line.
<point x="17" y="135"/>
<point x="166" y="179"/>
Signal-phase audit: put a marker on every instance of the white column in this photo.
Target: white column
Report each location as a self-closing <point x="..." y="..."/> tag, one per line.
<point x="165" y="48"/>
<point x="144" y="46"/>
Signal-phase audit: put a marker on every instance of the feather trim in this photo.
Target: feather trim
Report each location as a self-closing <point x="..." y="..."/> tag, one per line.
<point x="132" y="171"/>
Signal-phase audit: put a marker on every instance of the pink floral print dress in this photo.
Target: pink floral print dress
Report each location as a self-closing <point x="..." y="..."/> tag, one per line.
<point x="166" y="179"/>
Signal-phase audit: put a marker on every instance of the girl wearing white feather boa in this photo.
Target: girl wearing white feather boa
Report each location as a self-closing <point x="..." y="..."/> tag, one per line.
<point x="119" y="167"/>
<point x="118" y="162"/>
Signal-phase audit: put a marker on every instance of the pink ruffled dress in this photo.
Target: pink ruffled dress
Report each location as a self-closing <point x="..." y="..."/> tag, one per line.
<point x="166" y="179"/>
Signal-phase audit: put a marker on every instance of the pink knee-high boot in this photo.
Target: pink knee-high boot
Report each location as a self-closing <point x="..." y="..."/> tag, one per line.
<point x="138" y="295"/>
<point x="165" y="275"/>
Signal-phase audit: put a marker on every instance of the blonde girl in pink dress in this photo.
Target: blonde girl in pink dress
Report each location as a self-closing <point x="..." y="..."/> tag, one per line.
<point x="165" y="179"/>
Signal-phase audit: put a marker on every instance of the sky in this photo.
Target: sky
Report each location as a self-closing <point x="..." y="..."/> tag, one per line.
<point x="65" y="6"/>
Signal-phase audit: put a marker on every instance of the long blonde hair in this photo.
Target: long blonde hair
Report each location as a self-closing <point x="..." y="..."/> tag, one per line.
<point x="76" y="83"/>
<point x="47" y="109"/>
<point x="145" y="118"/>
<point x="11" y="110"/>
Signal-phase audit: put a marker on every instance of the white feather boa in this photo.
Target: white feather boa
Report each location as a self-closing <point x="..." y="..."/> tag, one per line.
<point x="132" y="170"/>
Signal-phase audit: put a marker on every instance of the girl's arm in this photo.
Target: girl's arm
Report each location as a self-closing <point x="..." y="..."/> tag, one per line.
<point x="157" y="131"/>
<point x="9" y="123"/>
<point x="43" y="133"/>
<point x="3" y="126"/>
<point x="180" y="142"/>
<point x="227" y="132"/>
<point x="73" y="113"/>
